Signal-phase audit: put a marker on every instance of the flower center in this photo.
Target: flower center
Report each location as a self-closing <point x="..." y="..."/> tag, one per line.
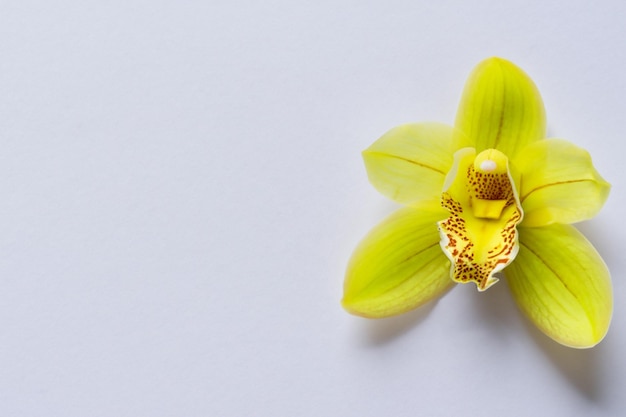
<point x="480" y="236"/>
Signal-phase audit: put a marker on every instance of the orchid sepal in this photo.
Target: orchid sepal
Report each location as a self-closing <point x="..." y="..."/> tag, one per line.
<point x="408" y="164"/>
<point x="398" y="266"/>
<point x="500" y="108"/>
<point x="559" y="184"/>
<point x="562" y="285"/>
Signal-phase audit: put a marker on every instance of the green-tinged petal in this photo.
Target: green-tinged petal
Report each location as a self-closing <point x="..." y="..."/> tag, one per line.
<point x="479" y="235"/>
<point x="399" y="265"/>
<point x="409" y="163"/>
<point x="559" y="183"/>
<point x="562" y="284"/>
<point x="501" y="108"/>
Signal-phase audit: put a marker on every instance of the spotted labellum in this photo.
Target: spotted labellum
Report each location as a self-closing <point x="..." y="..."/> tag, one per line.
<point x="489" y="195"/>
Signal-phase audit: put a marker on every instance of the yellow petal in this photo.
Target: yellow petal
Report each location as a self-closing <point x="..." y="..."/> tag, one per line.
<point x="409" y="163"/>
<point x="562" y="285"/>
<point x="500" y="108"/>
<point x="479" y="236"/>
<point x="399" y="265"/>
<point x="559" y="183"/>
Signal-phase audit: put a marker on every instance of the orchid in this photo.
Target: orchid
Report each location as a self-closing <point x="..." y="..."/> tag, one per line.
<point x="490" y="196"/>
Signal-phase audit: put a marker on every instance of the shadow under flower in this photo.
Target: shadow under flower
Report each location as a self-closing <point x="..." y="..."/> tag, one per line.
<point x="496" y="309"/>
<point x="382" y="331"/>
<point x="584" y="369"/>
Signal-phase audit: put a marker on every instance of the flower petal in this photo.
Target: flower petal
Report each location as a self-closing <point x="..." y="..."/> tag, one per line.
<point x="559" y="183"/>
<point x="562" y="284"/>
<point x="501" y="108"/>
<point x="409" y="163"/>
<point x="399" y="265"/>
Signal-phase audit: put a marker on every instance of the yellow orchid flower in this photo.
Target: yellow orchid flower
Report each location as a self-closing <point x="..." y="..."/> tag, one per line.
<point x="490" y="194"/>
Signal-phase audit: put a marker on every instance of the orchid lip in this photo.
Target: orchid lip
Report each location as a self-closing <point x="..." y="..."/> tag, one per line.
<point x="480" y="235"/>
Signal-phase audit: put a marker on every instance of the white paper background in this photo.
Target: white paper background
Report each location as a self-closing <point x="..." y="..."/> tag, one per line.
<point x="182" y="188"/>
